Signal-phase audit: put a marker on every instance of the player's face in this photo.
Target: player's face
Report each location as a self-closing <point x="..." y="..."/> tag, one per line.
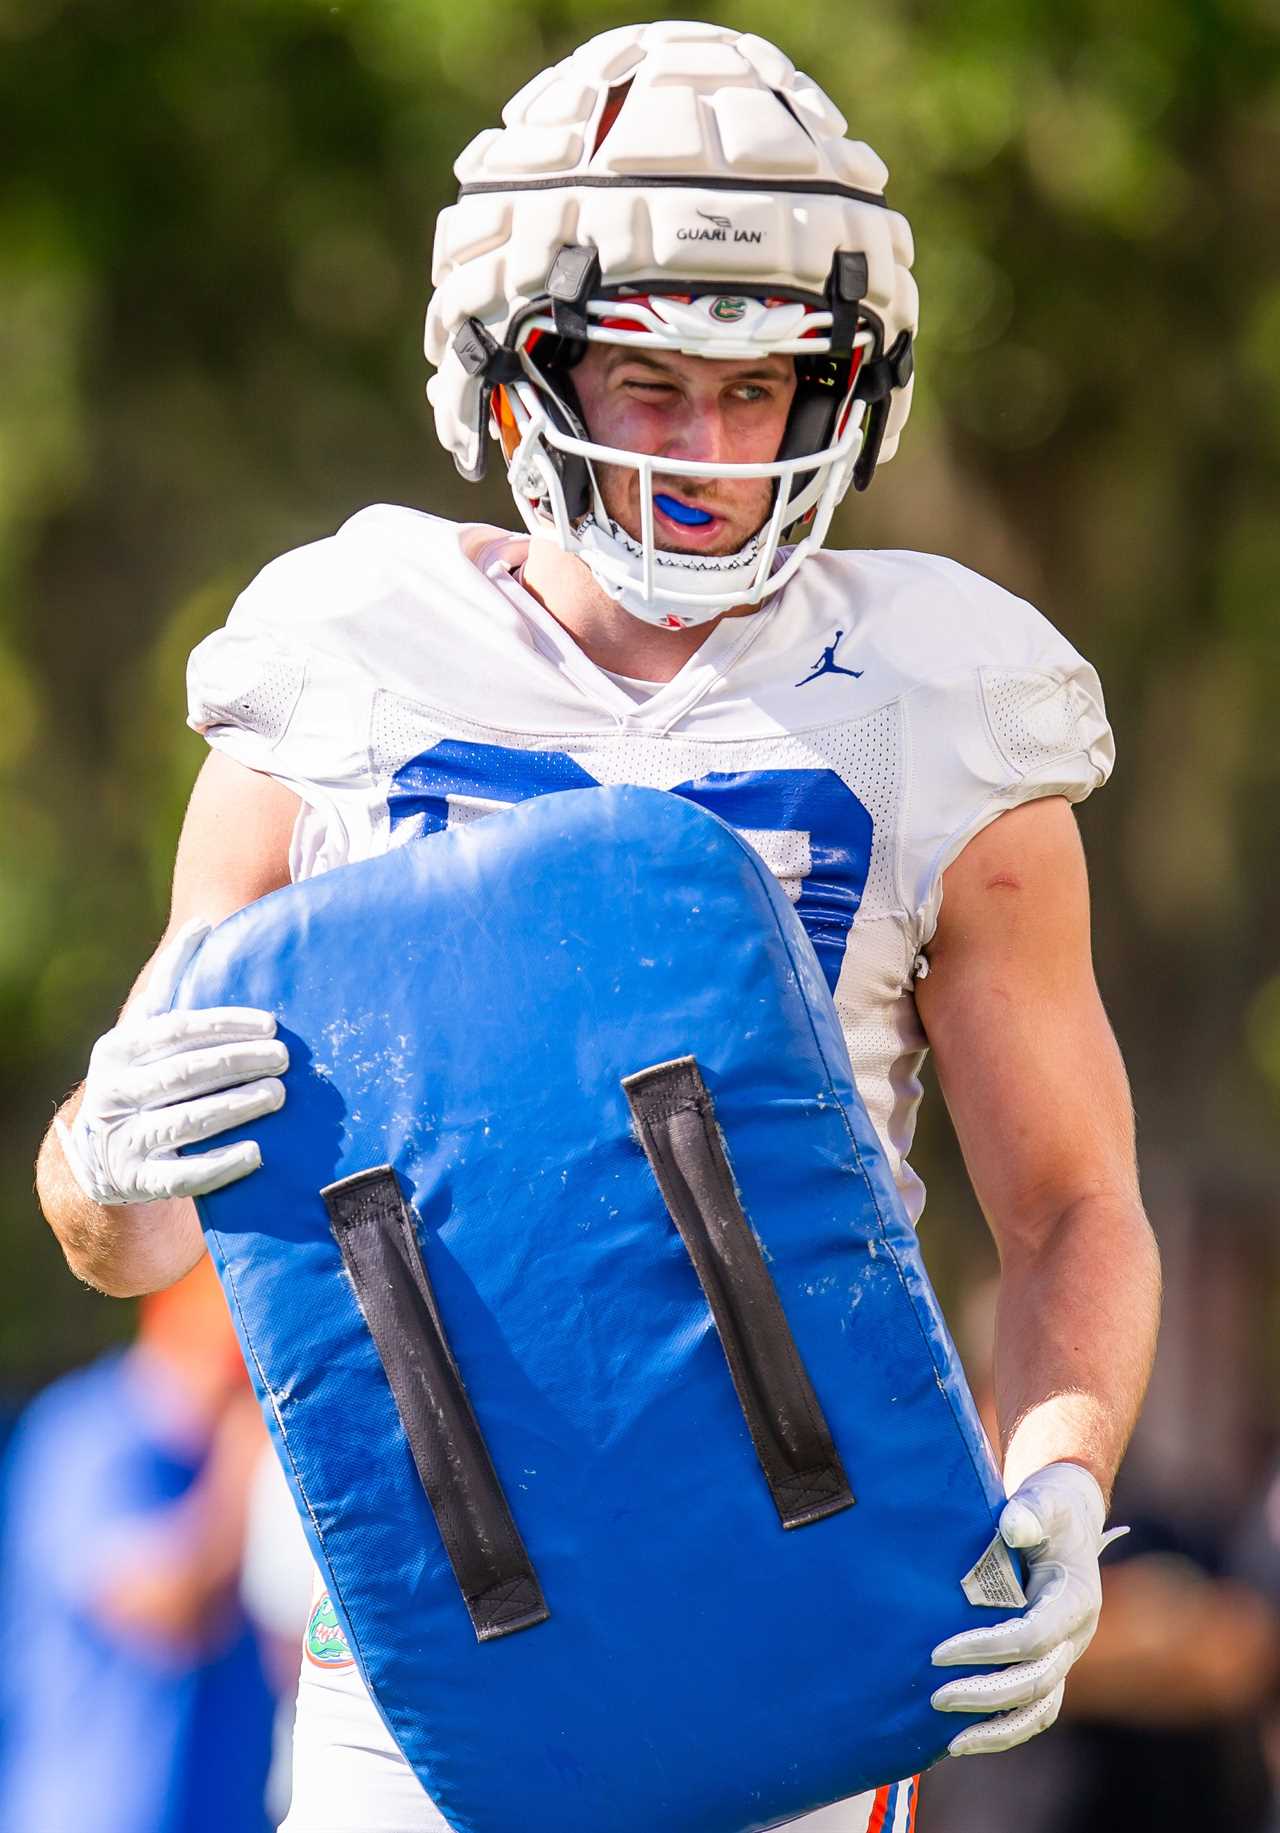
<point x="687" y="407"/>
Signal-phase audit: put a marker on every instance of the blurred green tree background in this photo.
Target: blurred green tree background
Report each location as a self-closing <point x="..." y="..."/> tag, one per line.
<point x="215" y="230"/>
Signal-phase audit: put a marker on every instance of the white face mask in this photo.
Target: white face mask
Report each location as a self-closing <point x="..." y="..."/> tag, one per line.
<point x="671" y="589"/>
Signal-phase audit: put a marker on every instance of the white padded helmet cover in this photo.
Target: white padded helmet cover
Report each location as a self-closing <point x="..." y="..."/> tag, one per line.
<point x="703" y="101"/>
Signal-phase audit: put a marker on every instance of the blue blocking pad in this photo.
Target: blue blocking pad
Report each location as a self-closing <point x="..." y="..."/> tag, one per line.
<point x="594" y="1339"/>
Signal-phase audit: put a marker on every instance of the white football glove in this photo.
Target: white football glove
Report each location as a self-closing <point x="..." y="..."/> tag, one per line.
<point x="1056" y="1518"/>
<point x="161" y="1080"/>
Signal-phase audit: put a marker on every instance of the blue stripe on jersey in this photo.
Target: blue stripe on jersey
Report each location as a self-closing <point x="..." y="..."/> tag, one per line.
<point x="817" y="804"/>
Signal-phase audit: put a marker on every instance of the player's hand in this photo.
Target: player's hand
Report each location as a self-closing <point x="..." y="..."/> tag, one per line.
<point x="162" y="1080"/>
<point x="1056" y="1518"/>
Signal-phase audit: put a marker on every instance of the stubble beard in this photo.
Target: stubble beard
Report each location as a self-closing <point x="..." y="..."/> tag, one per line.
<point x="620" y="490"/>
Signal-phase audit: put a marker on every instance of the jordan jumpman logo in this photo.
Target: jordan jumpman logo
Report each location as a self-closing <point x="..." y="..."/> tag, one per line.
<point x="828" y="665"/>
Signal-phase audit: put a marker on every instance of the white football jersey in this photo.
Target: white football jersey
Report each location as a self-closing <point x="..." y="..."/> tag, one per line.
<point x="857" y="730"/>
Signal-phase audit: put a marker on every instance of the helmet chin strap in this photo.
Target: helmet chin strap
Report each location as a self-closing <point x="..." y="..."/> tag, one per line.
<point x="605" y="547"/>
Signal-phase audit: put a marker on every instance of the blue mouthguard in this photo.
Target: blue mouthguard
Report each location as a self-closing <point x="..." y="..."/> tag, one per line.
<point x="682" y="512"/>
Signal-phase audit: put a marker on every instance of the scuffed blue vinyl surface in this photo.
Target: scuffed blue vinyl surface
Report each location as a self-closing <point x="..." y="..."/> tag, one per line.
<point x="463" y="1009"/>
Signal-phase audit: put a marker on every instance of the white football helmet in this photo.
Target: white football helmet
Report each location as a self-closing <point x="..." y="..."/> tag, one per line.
<point x="681" y="187"/>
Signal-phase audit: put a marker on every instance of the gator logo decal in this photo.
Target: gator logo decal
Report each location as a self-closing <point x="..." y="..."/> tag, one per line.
<point x="324" y="1644"/>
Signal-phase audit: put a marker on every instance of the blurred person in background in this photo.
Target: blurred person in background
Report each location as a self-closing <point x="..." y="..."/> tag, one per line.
<point x="276" y="1584"/>
<point x="135" y="1699"/>
<point x="1162" y="1723"/>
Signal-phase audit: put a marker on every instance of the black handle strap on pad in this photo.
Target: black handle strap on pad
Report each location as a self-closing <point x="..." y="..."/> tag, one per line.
<point x="676" y="1124"/>
<point x="374" y="1228"/>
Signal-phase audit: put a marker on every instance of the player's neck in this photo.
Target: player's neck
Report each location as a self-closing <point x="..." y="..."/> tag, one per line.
<point x="609" y="636"/>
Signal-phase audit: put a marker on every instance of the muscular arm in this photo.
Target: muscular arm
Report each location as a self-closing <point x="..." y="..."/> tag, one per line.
<point x="234" y="848"/>
<point x="1038" y="1095"/>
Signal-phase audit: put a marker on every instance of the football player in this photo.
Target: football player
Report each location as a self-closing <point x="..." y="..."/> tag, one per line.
<point x="673" y="296"/>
